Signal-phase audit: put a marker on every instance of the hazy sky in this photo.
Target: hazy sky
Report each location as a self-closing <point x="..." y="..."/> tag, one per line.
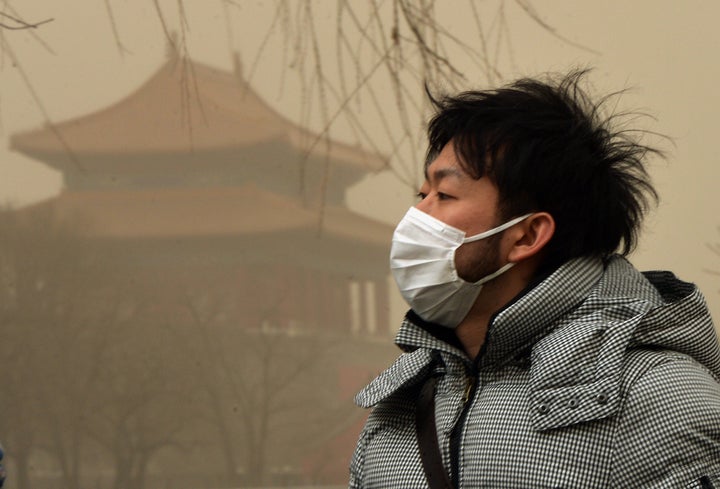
<point x="664" y="49"/>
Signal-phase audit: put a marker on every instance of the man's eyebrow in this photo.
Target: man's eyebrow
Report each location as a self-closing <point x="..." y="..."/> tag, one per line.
<point x="441" y="173"/>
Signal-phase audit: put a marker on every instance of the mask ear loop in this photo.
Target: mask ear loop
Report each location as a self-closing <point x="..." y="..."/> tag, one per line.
<point x="496" y="230"/>
<point x="502" y="270"/>
<point x="491" y="232"/>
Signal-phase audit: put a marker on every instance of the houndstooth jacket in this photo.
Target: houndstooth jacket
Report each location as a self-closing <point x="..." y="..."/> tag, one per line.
<point x="599" y="376"/>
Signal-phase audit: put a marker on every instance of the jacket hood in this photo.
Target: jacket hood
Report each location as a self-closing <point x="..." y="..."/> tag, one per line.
<point x="681" y="323"/>
<point x="586" y="353"/>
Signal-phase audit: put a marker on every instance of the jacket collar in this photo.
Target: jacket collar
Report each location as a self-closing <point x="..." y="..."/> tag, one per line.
<point x="578" y="324"/>
<point x="513" y="329"/>
<point x="542" y="308"/>
<point x="533" y="313"/>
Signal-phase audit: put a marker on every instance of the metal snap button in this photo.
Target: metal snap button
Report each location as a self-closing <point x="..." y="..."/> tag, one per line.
<point x="602" y="398"/>
<point x="573" y="403"/>
<point x="543" y="408"/>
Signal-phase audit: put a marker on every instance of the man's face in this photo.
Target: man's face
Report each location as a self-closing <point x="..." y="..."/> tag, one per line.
<point x="451" y="195"/>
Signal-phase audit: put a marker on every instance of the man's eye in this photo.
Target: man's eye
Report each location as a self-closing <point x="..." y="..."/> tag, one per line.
<point x="442" y="196"/>
<point x="421" y="195"/>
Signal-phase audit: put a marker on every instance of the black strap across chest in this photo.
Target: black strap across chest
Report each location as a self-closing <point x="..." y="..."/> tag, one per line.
<point x="427" y="437"/>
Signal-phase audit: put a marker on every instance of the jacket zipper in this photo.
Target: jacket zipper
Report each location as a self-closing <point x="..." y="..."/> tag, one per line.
<point x="456" y="434"/>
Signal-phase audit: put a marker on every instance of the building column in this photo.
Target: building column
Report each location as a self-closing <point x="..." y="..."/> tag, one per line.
<point x="382" y="307"/>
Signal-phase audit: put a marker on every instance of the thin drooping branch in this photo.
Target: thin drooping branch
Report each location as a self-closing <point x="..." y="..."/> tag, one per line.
<point x="7" y="8"/>
<point x="430" y="55"/>
<point x="714" y="248"/>
<point x="118" y="43"/>
<point x="13" y="23"/>
<point x="384" y="53"/>
<point x="163" y="23"/>
<point x="528" y="8"/>
<point x="38" y="102"/>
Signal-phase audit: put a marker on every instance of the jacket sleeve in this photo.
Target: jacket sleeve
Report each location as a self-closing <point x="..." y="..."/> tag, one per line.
<point x="356" y="464"/>
<point x="669" y="429"/>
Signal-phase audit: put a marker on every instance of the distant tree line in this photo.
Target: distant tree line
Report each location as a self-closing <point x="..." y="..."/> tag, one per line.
<point x="101" y="376"/>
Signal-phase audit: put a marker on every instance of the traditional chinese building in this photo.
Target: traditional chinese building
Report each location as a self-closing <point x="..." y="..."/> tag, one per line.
<point x="195" y="170"/>
<point x="204" y="190"/>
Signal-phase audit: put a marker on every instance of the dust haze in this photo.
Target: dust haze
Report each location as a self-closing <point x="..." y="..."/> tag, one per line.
<point x="193" y="259"/>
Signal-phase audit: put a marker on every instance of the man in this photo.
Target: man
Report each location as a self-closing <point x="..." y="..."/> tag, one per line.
<point x="535" y="355"/>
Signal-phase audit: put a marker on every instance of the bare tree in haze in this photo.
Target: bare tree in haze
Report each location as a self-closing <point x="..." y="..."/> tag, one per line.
<point x="368" y="80"/>
<point x="50" y="344"/>
<point x="143" y="401"/>
<point x="381" y="55"/>
<point x="270" y="390"/>
<point x="18" y="409"/>
<point x="84" y="366"/>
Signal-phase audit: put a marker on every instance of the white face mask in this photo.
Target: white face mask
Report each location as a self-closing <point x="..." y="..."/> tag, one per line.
<point x="422" y="260"/>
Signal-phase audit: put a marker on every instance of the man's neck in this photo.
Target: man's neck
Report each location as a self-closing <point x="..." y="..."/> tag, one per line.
<point x="472" y="336"/>
<point x="472" y="331"/>
<point x="495" y="295"/>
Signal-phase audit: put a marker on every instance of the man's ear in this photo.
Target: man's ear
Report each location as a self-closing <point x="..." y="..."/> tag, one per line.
<point x="530" y="236"/>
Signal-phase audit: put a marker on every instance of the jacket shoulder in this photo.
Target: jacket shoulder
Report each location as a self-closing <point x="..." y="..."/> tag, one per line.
<point x="386" y="454"/>
<point x="668" y="428"/>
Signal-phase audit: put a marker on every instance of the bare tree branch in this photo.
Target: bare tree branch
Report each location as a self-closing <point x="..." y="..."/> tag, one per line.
<point x="19" y="24"/>
<point x="38" y="101"/>
<point x="163" y="23"/>
<point x="118" y="43"/>
<point x="534" y="15"/>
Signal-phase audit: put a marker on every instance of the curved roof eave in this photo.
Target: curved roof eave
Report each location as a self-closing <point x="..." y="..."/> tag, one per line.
<point x="219" y="110"/>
